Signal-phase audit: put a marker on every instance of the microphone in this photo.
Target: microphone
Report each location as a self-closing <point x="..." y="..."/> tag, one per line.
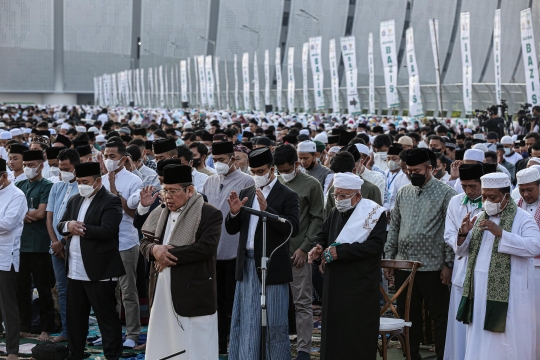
<point x="263" y="214"/>
<point x="162" y="205"/>
<point x="220" y="187"/>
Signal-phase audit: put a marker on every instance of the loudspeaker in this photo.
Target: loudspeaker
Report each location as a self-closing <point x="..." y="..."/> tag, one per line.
<point x="268" y="108"/>
<point x="185" y="104"/>
<point x="132" y="103"/>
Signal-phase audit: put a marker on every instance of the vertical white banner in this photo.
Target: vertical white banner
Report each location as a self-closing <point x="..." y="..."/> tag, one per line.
<point x="114" y="90"/>
<point x="236" y="82"/>
<point x="348" y="51"/>
<point x="166" y="98"/>
<point x="137" y="87"/>
<point x="416" y="108"/>
<point x="218" y="87"/>
<point x="256" y="89"/>
<point x="529" y="58"/>
<point x="161" y="87"/>
<point x="390" y="64"/>
<point x="334" y="80"/>
<point x="183" y="80"/>
<point x="266" y="77"/>
<point x="245" y="77"/>
<point x="466" y="62"/>
<point x="101" y="95"/>
<point x="305" y="55"/>
<point x="279" y="81"/>
<point x="434" y="32"/>
<point x="130" y="86"/>
<point x="195" y="68"/>
<point x="497" y="54"/>
<point x="190" y="89"/>
<point x="226" y="85"/>
<point x="315" y="46"/>
<point x="371" y="67"/>
<point x="151" y="85"/>
<point x="107" y="88"/>
<point x="202" y="80"/>
<point x="209" y="80"/>
<point x="96" y="90"/>
<point x="143" y="90"/>
<point x="156" y="86"/>
<point x="290" y="83"/>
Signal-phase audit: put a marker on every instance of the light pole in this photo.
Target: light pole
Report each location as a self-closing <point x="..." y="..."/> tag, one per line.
<point x="249" y="29"/>
<point x="306" y="15"/>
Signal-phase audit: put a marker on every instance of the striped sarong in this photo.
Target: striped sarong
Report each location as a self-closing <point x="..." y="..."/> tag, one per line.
<point x="245" y="335"/>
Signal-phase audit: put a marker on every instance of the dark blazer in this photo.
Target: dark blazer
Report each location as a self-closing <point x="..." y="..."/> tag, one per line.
<point x="193" y="279"/>
<point x="99" y="246"/>
<point x="281" y="201"/>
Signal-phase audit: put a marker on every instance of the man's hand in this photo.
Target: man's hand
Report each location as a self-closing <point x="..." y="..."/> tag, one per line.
<point x="112" y="179"/>
<point x="147" y="198"/>
<point x="76" y="228"/>
<point x="299" y="258"/>
<point x="130" y="164"/>
<point x="370" y="162"/>
<point x="28" y="219"/>
<point x="163" y="257"/>
<point x="57" y="247"/>
<point x="261" y="199"/>
<point x="491" y="227"/>
<point x="315" y="253"/>
<point x="454" y="169"/>
<point x="333" y="252"/>
<point x="389" y="274"/>
<point x="446" y="275"/>
<point x="234" y="202"/>
<point x="467" y="224"/>
<point x="500" y="156"/>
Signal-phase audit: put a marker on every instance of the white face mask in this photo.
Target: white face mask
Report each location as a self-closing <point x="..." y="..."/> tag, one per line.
<point x="261" y="181"/>
<point x="344" y="205"/>
<point x="31" y="172"/>
<point x="492" y="208"/>
<point x="507" y="151"/>
<point x="393" y="165"/>
<point x="289" y="177"/>
<point x="112" y="165"/>
<point x="382" y="155"/>
<point x="86" y="190"/>
<point x="67" y="176"/>
<point x="54" y="171"/>
<point x="221" y="168"/>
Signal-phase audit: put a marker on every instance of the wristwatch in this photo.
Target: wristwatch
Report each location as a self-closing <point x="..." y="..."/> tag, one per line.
<point x="449" y="264"/>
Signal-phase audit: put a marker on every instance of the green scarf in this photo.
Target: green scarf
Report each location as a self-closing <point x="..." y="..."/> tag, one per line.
<point x="498" y="287"/>
<point x="474" y="203"/>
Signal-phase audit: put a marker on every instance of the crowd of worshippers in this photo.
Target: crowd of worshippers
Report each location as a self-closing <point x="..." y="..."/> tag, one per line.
<point x="119" y="211"/>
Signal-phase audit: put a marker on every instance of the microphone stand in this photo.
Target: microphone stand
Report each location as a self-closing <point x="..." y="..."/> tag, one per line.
<point x="264" y="263"/>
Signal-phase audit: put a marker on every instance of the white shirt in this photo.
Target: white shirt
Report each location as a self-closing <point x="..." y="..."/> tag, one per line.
<point x="171" y="223"/>
<point x="198" y="179"/>
<point x="129" y="186"/>
<point x="103" y="118"/>
<point x="149" y="177"/>
<point x="394" y="182"/>
<point x="514" y="158"/>
<point x="76" y="269"/>
<point x="21" y="177"/>
<point x="254" y="220"/>
<point x="375" y="178"/>
<point x="13" y="208"/>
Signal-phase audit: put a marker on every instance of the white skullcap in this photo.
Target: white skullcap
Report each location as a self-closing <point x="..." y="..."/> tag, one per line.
<point x="80" y="129"/>
<point x="474" y="154"/>
<point x="16" y="132"/>
<point x="495" y="180"/>
<point x="481" y="147"/>
<point x="304" y="132"/>
<point x="100" y="138"/>
<point x="467" y="130"/>
<point x="363" y="149"/>
<point x="322" y="137"/>
<point x="5" y="116"/>
<point x="534" y="160"/>
<point x="422" y="145"/>
<point x="507" y="140"/>
<point x="405" y="140"/>
<point x="52" y="131"/>
<point x="334" y="149"/>
<point x="527" y="176"/>
<point x="347" y="181"/>
<point x="94" y="129"/>
<point x="65" y="127"/>
<point x="307" y="146"/>
<point x="5" y="135"/>
<point x="478" y="136"/>
<point x="537" y="167"/>
<point x="2" y="125"/>
<point x="27" y="131"/>
<point x="187" y="125"/>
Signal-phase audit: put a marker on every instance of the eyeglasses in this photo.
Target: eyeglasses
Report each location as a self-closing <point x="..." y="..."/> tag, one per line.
<point x="259" y="172"/>
<point x="344" y="196"/>
<point x="171" y="192"/>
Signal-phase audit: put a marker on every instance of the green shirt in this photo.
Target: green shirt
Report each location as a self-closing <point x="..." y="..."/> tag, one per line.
<point x="310" y="197"/>
<point x="35" y="237"/>
<point x="417" y="227"/>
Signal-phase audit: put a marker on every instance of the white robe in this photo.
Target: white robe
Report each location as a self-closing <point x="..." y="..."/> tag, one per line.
<point x="519" y="339"/>
<point x="456" y="331"/>
<point x="199" y="336"/>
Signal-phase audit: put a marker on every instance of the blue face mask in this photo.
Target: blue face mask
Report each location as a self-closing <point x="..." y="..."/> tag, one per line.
<point x="239" y="137"/>
<point x="507" y="151"/>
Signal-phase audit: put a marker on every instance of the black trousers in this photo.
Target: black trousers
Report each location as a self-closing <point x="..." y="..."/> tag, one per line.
<point x="10" y="310"/>
<point x="226" y="286"/>
<point x="35" y="268"/>
<point x="100" y="296"/>
<point x="436" y="296"/>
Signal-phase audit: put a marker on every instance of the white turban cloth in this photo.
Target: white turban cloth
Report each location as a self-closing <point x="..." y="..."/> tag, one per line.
<point x="347" y="181"/>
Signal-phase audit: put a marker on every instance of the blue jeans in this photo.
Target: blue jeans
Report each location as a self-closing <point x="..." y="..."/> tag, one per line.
<point x="61" y="286"/>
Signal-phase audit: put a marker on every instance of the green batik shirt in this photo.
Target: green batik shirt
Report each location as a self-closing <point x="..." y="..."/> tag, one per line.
<point x="35" y="237"/>
<point x="417" y="227"/>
